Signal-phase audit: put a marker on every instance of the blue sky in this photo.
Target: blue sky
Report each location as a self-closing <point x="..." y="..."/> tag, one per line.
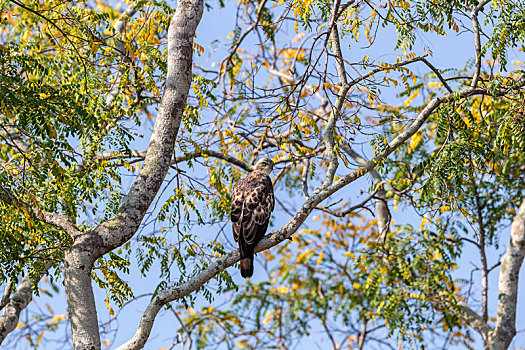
<point x="449" y="51"/>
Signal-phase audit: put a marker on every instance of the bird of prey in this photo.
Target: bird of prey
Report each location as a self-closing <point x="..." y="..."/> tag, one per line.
<point x="252" y="205"/>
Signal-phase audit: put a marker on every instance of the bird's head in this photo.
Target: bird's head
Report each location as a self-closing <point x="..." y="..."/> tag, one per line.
<point x="265" y="165"/>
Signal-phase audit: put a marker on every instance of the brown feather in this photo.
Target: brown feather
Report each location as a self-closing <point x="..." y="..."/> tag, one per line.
<point x="252" y="204"/>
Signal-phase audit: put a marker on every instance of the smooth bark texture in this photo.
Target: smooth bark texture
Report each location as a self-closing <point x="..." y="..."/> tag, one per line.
<point x="17" y="302"/>
<point x="125" y="223"/>
<point x="505" y="329"/>
<point x="501" y="336"/>
<point x="79" y="292"/>
<point x="475" y="321"/>
<point x="120" y="228"/>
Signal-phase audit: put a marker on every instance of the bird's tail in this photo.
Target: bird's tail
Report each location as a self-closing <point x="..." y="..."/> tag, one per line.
<point x="246" y="256"/>
<point x="247" y="266"/>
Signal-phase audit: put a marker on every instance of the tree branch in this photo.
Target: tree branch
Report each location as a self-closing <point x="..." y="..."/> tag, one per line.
<point x="7" y="293"/>
<point x="474" y="320"/>
<point x="508" y="284"/>
<point x="123" y="225"/>
<point x="17" y="302"/>
<point x="286" y="232"/>
<point x="119" y="27"/>
<point x="438" y="74"/>
<point x="135" y="203"/>
<point x="57" y="220"/>
<point x="328" y="137"/>
<point x="235" y="47"/>
<point x="477" y="41"/>
<point x="141" y="155"/>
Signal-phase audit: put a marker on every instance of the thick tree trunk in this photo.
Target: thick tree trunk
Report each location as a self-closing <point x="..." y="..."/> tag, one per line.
<point x="78" y="264"/>
<point x="120" y="228"/>
<point x="505" y="329"/>
<point x="501" y="336"/>
<point x="80" y="300"/>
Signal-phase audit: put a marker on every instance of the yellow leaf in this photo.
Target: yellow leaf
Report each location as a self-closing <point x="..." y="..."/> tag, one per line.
<point x="414" y="141"/>
<point x="283" y="289"/>
<point x="39" y="337"/>
<point x="380" y="306"/>
<point x="411" y="98"/>
<point x="423" y="222"/>
<point x="268" y="319"/>
<point x="444" y="208"/>
<point x="350" y="254"/>
<point x="320" y="258"/>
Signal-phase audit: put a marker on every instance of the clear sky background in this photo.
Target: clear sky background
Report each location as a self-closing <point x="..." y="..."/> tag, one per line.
<point x="449" y="51"/>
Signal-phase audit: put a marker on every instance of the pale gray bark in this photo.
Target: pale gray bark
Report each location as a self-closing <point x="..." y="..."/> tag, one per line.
<point x="329" y="133"/>
<point x="477" y="40"/>
<point x="17" y="302"/>
<point x="474" y="320"/>
<point x="23" y="296"/>
<point x="122" y="226"/>
<point x="7" y="293"/>
<point x="81" y="305"/>
<point x="508" y="283"/>
<point x="91" y="245"/>
<point x="501" y="336"/>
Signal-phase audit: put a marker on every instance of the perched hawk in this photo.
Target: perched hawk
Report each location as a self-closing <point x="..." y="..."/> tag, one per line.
<point x="252" y="205"/>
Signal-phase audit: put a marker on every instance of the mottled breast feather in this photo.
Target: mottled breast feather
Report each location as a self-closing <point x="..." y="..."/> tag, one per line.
<point x="252" y="204"/>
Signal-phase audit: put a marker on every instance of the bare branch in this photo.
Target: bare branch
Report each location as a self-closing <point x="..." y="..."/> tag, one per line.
<point x="440" y="77"/>
<point x="343" y="213"/>
<point x="477" y="41"/>
<point x="119" y="27"/>
<point x="328" y="137"/>
<point x="18" y="302"/>
<point x="235" y="46"/>
<point x="508" y="283"/>
<point x="57" y="220"/>
<point x="141" y="155"/>
<point x="385" y="67"/>
<point x="474" y="320"/>
<point x="7" y="293"/>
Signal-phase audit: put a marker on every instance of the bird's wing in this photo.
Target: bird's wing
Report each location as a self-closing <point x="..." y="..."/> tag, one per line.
<point x="237" y="204"/>
<point x="258" y="206"/>
<point x="251" y="206"/>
